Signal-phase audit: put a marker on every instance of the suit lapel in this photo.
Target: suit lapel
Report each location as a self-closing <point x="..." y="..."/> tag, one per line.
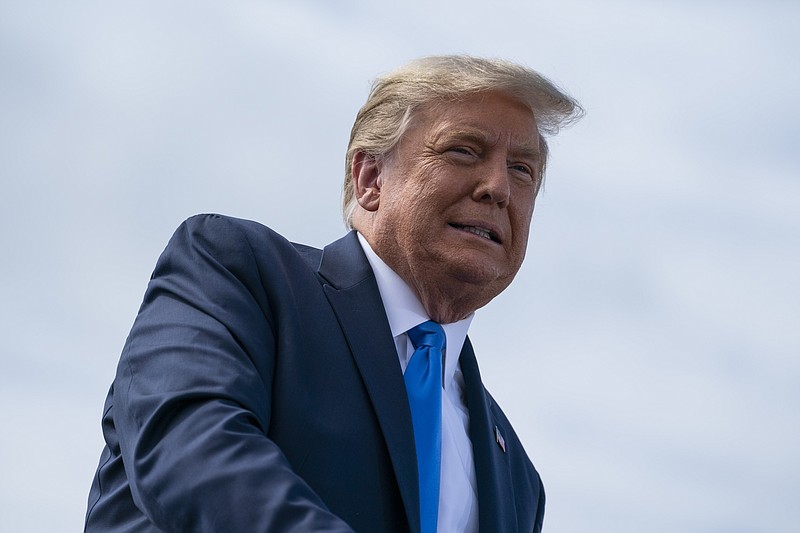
<point x="496" y="509"/>
<point x="353" y="293"/>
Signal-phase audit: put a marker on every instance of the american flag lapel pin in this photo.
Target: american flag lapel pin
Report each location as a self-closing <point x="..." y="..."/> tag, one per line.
<point x="500" y="440"/>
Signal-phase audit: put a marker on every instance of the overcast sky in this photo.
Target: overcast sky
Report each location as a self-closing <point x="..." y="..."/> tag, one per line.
<point x="648" y="353"/>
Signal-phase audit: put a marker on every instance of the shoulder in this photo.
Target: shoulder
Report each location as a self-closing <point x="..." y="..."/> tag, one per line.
<point x="220" y="229"/>
<point x="220" y="249"/>
<point x="231" y="238"/>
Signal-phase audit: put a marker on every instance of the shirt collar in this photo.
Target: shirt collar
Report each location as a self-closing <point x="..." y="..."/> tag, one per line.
<point x="404" y="311"/>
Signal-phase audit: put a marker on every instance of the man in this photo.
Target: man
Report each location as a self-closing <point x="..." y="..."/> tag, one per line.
<point x="270" y="386"/>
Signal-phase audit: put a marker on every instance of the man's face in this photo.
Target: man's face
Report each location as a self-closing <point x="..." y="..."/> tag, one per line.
<point x="457" y="195"/>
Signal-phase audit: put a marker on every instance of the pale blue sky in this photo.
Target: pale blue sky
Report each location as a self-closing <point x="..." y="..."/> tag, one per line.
<point x="648" y="352"/>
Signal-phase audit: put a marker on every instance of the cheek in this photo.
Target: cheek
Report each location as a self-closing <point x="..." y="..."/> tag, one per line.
<point x="521" y="225"/>
<point x="440" y="183"/>
<point x="525" y="207"/>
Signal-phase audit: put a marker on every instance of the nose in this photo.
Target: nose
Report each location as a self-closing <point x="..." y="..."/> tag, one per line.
<point x="493" y="186"/>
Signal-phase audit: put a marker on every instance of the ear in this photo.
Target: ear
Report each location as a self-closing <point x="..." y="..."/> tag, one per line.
<point x="367" y="180"/>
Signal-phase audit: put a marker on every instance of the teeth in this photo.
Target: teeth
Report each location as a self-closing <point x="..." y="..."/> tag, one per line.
<point x="478" y="231"/>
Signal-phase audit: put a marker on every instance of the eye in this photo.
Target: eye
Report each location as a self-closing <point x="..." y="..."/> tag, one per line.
<point x="462" y="150"/>
<point x="523" y="169"/>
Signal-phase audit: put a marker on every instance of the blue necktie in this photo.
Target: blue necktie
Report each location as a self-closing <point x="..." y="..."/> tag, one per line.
<point x="423" y="379"/>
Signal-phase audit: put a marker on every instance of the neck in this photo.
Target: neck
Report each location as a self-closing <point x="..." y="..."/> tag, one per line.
<point x="445" y="303"/>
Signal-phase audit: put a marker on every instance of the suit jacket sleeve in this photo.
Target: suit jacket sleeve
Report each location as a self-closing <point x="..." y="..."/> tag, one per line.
<point x="192" y="395"/>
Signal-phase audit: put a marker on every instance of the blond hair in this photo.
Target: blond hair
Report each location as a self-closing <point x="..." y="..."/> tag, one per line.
<point x="390" y="107"/>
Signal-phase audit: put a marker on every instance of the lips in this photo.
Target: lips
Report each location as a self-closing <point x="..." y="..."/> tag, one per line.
<point x="480" y="231"/>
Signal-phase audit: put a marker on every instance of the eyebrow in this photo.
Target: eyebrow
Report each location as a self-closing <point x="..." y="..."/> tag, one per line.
<point x="526" y="150"/>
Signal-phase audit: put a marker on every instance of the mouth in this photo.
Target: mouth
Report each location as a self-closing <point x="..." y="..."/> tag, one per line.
<point x="485" y="233"/>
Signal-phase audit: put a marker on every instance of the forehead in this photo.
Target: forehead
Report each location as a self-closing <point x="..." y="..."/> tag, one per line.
<point x="491" y="115"/>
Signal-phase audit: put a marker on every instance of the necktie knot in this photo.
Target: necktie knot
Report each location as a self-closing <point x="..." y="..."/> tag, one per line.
<point x="427" y="334"/>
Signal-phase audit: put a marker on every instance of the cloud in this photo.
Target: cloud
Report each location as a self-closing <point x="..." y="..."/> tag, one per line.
<point x="646" y="352"/>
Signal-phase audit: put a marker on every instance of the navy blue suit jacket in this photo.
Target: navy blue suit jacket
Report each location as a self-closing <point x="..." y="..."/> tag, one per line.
<point x="260" y="390"/>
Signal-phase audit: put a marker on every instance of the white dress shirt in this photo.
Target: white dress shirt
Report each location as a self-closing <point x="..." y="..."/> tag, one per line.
<point x="458" y="493"/>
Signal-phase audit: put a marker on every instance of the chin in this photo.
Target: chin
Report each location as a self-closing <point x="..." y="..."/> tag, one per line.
<point x="482" y="273"/>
